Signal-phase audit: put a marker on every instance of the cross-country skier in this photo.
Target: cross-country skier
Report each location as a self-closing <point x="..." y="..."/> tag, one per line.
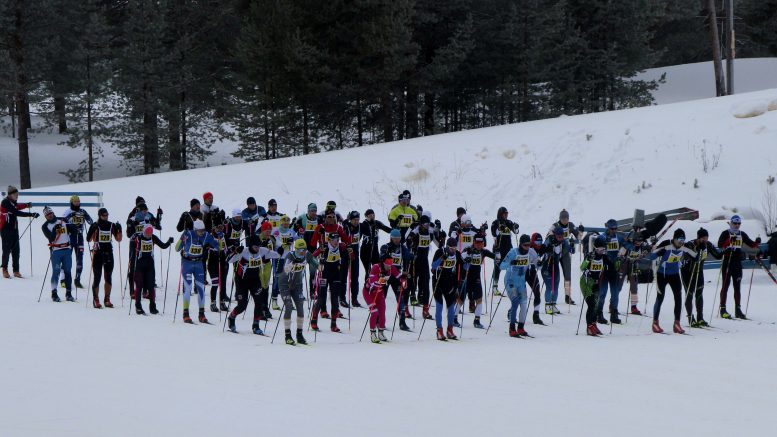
<point x="456" y="224"/>
<point x="9" y="229"/>
<point x="533" y="280"/>
<point x="144" y="268"/>
<point x="329" y="280"/>
<point x="187" y="219"/>
<point x="502" y="229"/>
<point x="192" y="245"/>
<point x="266" y="240"/>
<point x="284" y="239"/>
<point x="616" y="249"/>
<point x="76" y="216"/>
<point x="671" y="253"/>
<point x="556" y="247"/>
<point x="212" y="215"/>
<point x="306" y="225"/>
<point x="401" y="259"/>
<point x="218" y="268"/>
<point x="140" y="206"/>
<point x="517" y="263"/>
<point x="135" y="226"/>
<point x="272" y="215"/>
<point x="572" y="234"/>
<point x="331" y="207"/>
<point x="473" y="258"/>
<point x="351" y="226"/>
<point x="635" y="265"/>
<point x="101" y="234"/>
<point x="593" y="270"/>
<point x="402" y="216"/>
<point x="292" y="264"/>
<point x="419" y="241"/>
<point x="56" y="231"/>
<point x="253" y="215"/>
<point x="249" y="265"/>
<point x="732" y="241"/>
<point x="465" y="235"/>
<point x="693" y="276"/>
<point x="375" y="289"/>
<point x="445" y="264"/>
<point x="368" y="229"/>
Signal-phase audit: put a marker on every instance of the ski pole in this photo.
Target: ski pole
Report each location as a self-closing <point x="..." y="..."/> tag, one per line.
<point x="30" y="237"/>
<point x="399" y="308"/>
<point x="180" y="280"/>
<point x="167" y="277"/>
<point x="714" y="296"/>
<point x="580" y="318"/>
<point x="280" y="316"/>
<point x="44" y="280"/>
<point x="747" y="304"/>
<point x="493" y="314"/>
<point x="224" y="325"/>
<point x="350" y="294"/>
<point x="771" y="276"/>
<point x="369" y="314"/>
<point x="121" y="274"/>
<point x="434" y="290"/>
<point x="89" y="280"/>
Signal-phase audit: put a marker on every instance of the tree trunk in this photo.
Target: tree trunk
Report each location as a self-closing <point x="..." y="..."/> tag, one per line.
<point x="184" y="132"/>
<point x="429" y="114"/>
<point x="59" y="110"/>
<point x="305" y="131"/>
<point x="386" y="119"/>
<point x="150" y="133"/>
<point x="89" y="143"/>
<point x="411" y="112"/>
<point x="174" y="138"/>
<point x="359" y="123"/>
<point x="266" y="133"/>
<point x="712" y="16"/>
<point x="20" y="96"/>
<point x="12" y="114"/>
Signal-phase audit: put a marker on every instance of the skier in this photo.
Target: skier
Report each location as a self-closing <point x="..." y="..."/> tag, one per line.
<point x="556" y="247"/>
<point x="9" y="229"/>
<point x="330" y="208"/>
<point x="351" y="226"/>
<point x="284" y="238"/>
<point x="445" y="264"/>
<point x="212" y="215"/>
<point x="532" y="278"/>
<point x="368" y="229"/>
<point x="101" y="234"/>
<point x="616" y="247"/>
<point x="192" y="245"/>
<point x="290" y="279"/>
<point x="573" y="235"/>
<point x="272" y="215"/>
<point x="329" y="279"/>
<point x="693" y="276"/>
<point x="402" y="216"/>
<point x="252" y="216"/>
<point x="144" y="269"/>
<point x="306" y="225"/>
<point x="374" y="292"/>
<point x="249" y="262"/>
<point x="401" y="259"/>
<point x="186" y="222"/>
<point x="56" y="231"/>
<point x="517" y="263"/>
<point x="638" y="267"/>
<point x="732" y="241"/>
<point x="501" y="229"/>
<point x="218" y="268"/>
<point x="593" y="273"/>
<point x="135" y="226"/>
<point x="456" y="224"/>
<point x="76" y="216"/>
<point x="265" y="270"/>
<point x="465" y="235"/>
<point x="419" y="240"/>
<point x="671" y="254"/>
<point x="473" y="258"/>
<point x="330" y="225"/>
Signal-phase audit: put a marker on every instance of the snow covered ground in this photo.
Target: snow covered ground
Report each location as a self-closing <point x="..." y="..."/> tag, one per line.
<point x="67" y="370"/>
<point x="683" y="83"/>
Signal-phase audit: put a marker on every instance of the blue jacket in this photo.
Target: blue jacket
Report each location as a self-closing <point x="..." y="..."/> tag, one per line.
<point x="192" y="246"/>
<point x="614" y="245"/>
<point x="671" y="257"/>
<point x="516" y="265"/>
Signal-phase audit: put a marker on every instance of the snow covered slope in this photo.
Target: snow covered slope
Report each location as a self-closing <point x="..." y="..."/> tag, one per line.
<point x="67" y="370"/>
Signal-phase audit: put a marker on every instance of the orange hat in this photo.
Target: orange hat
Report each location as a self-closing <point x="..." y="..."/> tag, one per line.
<point x="266" y="226"/>
<point x="207" y="196"/>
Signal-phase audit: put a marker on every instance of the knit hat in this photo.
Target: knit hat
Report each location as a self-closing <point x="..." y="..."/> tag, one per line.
<point x="679" y="234"/>
<point x="300" y="244"/>
<point x="194" y="202"/>
<point x="331" y="204"/>
<point x="207" y="196"/>
<point x="266" y="226"/>
<point x="611" y="224"/>
<point x="74" y="198"/>
<point x="102" y="211"/>
<point x="736" y="219"/>
<point x="395" y="234"/>
<point x="11" y="189"/>
<point x="251" y="201"/>
<point x="47" y="211"/>
<point x="272" y="202"/>
<point x="236" y="212"/>
<point x="460" y="210"/>
<point x="424" y="220"/>
<point x="198" y="225"/>
<point x="558" y="231"/>
<point x="369" y="211"/>
<point x="139" y="200"/>
<point x="702" y="233"/>
<point x="466" y="218"/>
<point x="148" y="230"/>
<point x="312" y="207"/>
<point x="451" y="242"/>
<point x="353" y="215"/>
<point x="524" y="239"/>
<point x="563" y="215"/>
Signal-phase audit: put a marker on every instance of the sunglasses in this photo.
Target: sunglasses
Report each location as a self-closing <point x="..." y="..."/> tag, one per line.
<point x="736" y="223"/>
<point x="525" y="244"/>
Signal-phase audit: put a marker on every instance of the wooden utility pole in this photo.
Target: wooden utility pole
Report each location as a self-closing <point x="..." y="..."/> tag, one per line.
<point x="720" y="86"/>
<point x="730" y="46"/>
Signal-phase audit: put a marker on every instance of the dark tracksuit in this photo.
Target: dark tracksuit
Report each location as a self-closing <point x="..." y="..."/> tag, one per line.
<point x="473" y="260"/>
<point x="669" y="274"/>
<point x="144" y="269"/>
<point x="402" y="258"/>
<point x="445" y="266"/>
<point x="419" y="241"/>
<point x="248" y="281"/>
<point x="502" y="230"/>
<point x="368" y="252"/>
<point x="351" y="264"/>
<point x="135" y="228"/>
<point x="10" y="233"/>
<point x="76" y="216"/>
<point x="731" y="241"/>
<point x="693" y="276"/>
<point x="101" y="233"/>
<point x="218" y="269"/>
<point x="330" y="278"/>
<point x="593" y="268"/>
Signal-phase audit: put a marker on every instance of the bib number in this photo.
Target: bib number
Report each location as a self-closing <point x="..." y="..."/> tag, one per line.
<point x="297" y="267"/>
<point x="254" y="263"/>
<point x="423" y="241"/>
<point x="522" y="262"/>
<point x="597" y="266"/>
<point x="234" y="235"/>
<point x="673" y="259"/>
<point x="448" y="263"/>
<point x="105" y="237"/>
<point x="146" y="246"/>
<point x="466" y="239"/>
<point x="195" y="250"/>
<point x="311" y="226"/>
<point x="736" y="242"/>
<point x="333" y="257"/>
<point x="612" y="246"/>
<point x="77" y="220"/>
<point x="406" y="221"/>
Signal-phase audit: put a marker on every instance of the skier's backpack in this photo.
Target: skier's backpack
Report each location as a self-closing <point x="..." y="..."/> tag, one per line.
<point x="587" y="242"/>
<point x="643" y="270"/>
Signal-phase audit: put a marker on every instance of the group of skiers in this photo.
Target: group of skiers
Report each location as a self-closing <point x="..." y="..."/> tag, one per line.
<point x="273" y="255"/>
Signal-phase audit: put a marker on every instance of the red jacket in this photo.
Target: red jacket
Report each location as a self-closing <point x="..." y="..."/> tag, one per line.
<point x="326" y="229"/>
<point x="373" y="283"/>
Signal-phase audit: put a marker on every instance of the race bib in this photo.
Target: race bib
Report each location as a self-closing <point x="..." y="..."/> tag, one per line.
<point x="613" y="246"/>
<point x="466" y="239"/>
<point x="77" y="220"/>
<point x="397" y="259"/>
<point x="195" y="249"/>
<point x="475" y="260"/>
<point x="703" y="254"/>
<point x="449" y="263"/>
<point x="139" y="228"/>
<point x="62" y="230"/>
<point x="286" y="240"/>
<point x="406" y="221"/>
<point x="566" y="232"/>
<point x="222" y="244"/>
<point x="596" y="266"/>
<point x="633" y="254"/>
<point x="104" y="237"/>
<point x="311" y="226"/>
<point x="146" y="246"/>
<point x="297" y="267"/>
<point x="354" y="239"/>
<point x="522" y="261"/>
<point x="333" y="257"/>
<point x="254" y="263"/>
<point x="234" y="235"/>
<point x="673" y="259"/>
<point x="424" y="241"/>
<point x="736" y="242"/>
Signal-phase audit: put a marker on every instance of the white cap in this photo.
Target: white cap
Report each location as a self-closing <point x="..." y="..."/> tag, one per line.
<point x="237" y="212"/>
<point x="199" y="225"/>
<point x="428" y="214"/>
<point x="466" y="218"/>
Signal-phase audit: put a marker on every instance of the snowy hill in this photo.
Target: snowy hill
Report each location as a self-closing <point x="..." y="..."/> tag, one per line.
<point x="68" y="370"/>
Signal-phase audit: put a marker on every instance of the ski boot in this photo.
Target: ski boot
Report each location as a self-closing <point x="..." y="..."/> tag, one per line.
<point x="440" y="335"/>
<point x="548" y="309"/>
<point x="267" y="315"/>
<point x="450" y="333"/>
<point x="77" y="283"/>
<point x="314" y="324"/>
<point x="425" y="313"/>
<point x="256" y="329"/>
<point x="477" y="323"/>
<point x="521" y="331"/>
<point x="402" y="325"/>
<point x="657" y="329"/>
<point x="600" y="319"/>
<point x="324" y="314"/>
<point x="598" y="332"/>
<point x="339" y="315"/>
<point x="275" y="306"/>
<point x="107" y="299"/>
<point x="69" y="297"/>
<point x="186" y="318"/>
<point x="54" y="296"/>
<point x="289" y="339"/>
<point x="413" y="300"/>
<point x="739" y="314"/>
<point x="382" y="335"/>
<point x="18" y="275"/>
<point x="677" y="328"/>
<point x="231" y="324"/>
<point x="223" y="306"/>
<point x="591" y="330"/>
<point x="568" y="300"/>
<point x="614" y="316"/>
<point x="407" y="314"/>
<point x="333" y="327"/>
<point x="495" y="291"/>
<point x="62" y="284"/>
<point x="471" y="306"/>
<point x="536" y="318"/>
<point x="96" y="303"/>
<point x="513" y="332"/>
<point x="300" y="337"/>
<point x="139" y="311"/>
<point x="5" y="274"/>
<point x="724" y="314"/>
<point x="374" y="337"/>
<point x="201" y="316"/>
<point x="213" y="307"/>
<point x="456" y="322"/>
<point x="702" y="323"/>
<point x="692" y="322"/>
<point x="152" y="308"/>
<point x="555" y="309"/>
<point x="344" y="304"/>
<point x="355" y="303"/>
<point x="635" y="311"/>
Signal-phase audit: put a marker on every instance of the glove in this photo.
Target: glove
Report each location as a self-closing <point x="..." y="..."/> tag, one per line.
<point x="238" y="249"/>
<point x="35" y="215"/>
<point x="117" y="225"/>
<point x="580" y="228"/>
<point x="170" y="240"/>
<point x="557" y="250"/>
<point x="497" y="257"/>
<point x="484" y="226"/>
<point x="758" y="240"/>
<point x="572" y="248"/>
<point x="515" y="227"/>
<point x="437" y="224"/>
